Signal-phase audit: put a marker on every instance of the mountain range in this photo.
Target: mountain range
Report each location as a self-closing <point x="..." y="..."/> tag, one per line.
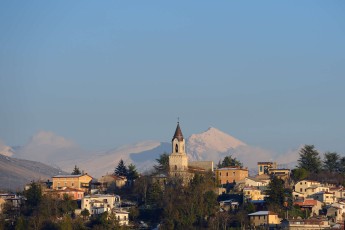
<point x="213" y="144"/>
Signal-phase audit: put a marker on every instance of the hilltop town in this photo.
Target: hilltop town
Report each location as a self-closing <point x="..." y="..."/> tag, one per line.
<point x="182" y="194"/>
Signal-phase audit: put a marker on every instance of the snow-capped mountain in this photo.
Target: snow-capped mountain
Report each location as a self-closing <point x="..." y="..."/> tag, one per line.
<point x="207" y="145"/>
<point x="6" y="150"/>
<point x="212" y="144"/>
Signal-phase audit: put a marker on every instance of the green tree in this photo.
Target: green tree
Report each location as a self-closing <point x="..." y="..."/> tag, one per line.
<point x="85" y="213"/>
<point x="276" y="192"/>
<point x="76" y="171"/>
<point x="229" y="161"/>
<point x="163" y="163"/>
<point x="342" y="165"/>
<point x="121" y="169"/>
<point x="299" y="174"/>
<point x="309" y="159"/>
<point x="132" y="173"/>
<point x="33" y="195"/>
<point x="331" y="162"/>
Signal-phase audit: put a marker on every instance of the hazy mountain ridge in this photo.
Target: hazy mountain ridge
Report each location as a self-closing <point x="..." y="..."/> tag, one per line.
<point x="212" y="144"/>
<point x="15" y="173"/>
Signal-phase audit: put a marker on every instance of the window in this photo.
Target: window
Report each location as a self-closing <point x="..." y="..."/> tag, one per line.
<point x="300" y="183"/>
<point x="72" y="184"/>
<point x="118" y="217"/>
<point x="260" y="168"/>
<point x="220" y="173"/>
<point x="175" y="167"/>
<point x="300" y="190"/>
<point x="125" y="217"/>
<point x="227" y="174"/>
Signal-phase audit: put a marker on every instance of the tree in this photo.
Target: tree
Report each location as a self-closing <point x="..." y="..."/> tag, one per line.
<point x="33" y="195"/>
<point x="275" y="192"/>
<point x="331" y="162"/>
<point x="228" y="161"/>
<point x="121" y="169"/>
<point x="76" y="171"/>
<point x="132" y="173"/>
<point x="163" y="163"/>
<point x="85" y="213"/>
<point x="309" y="159"/>
<point x="299" y="174"/>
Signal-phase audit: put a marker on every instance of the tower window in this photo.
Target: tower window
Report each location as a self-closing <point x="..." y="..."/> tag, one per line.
<point x="175" y="167"/>
<point x="176" y="148"/>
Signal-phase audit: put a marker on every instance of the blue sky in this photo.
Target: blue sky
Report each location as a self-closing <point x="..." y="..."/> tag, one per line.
<point x="108" y="73"/>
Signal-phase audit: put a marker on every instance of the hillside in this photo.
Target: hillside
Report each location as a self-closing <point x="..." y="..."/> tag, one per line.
<point x="15" y="173"/>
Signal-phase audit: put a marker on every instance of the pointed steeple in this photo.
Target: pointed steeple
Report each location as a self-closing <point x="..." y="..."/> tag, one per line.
<point x="178" y="133"/>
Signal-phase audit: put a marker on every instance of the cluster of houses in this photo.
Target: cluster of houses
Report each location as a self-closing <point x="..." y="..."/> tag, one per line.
<point x="323" y="204"/>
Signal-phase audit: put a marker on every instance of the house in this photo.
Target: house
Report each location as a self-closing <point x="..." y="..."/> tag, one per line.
<point x="111" y="180"/>
<point x="339" y="192"/>
<point x="81" y="181"/>
<point x="324" y="197"/>
<point x="302" y="186"/>
<point x="122" y="216"/>
<point x="336" y="211"/>
<point x="263" y="167"/>
<point x="315" y="189"/>
<point x="2" y="204"/>
<point x="252" y="193"/>
<point x="264" y="218"/>
<point x="311" y="206"/>
<point x="299" y="224"/>
<point x="99" y="203"/>
<point x="283" y="174"/>
<point x="227" y="205"/>
<point x="231" y="174"/>
<point x="72" y="193"/>
<point x="254" y="182"/>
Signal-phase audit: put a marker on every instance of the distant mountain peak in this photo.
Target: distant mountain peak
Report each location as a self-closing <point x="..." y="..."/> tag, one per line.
<point x="212" y="140"/>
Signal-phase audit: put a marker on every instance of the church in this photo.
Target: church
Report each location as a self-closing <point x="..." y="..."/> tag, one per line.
<point x="178" y="159"/>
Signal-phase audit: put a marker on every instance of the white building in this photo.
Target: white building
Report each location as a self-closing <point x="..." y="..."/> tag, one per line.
<point x="99" y="203"/>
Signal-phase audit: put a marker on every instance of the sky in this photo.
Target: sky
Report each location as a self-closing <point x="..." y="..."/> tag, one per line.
<point x="109" y="73"/>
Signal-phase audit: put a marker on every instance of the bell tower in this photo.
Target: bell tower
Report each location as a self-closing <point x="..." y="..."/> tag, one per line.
<point x="178" y="160"/>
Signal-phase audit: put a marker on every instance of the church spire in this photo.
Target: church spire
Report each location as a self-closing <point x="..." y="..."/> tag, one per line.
<point x="178" y="133"/>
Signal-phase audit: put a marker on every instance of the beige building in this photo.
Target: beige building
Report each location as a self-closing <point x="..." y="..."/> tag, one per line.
<point x="262" y="218"/>
<point x="72" y="193"/>
<point x="307" y="224"/>
<point x="263" y="167"/>
<point x="231" y="174"/>
<point x="301" y="186"/>
<point x="252" y="193"/>
<point x="2" y="203"/>
<point x="81" y="182"/>
<point x="111" y="180"/>
<point x="324" y="197"/>
<point x="310" y="206"/>
<point x="178" y="160"/>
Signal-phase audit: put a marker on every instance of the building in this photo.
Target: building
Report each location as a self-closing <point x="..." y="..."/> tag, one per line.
<point x="307" y="224"/>
<point x="72" y="193"/>
<point x="99" y="203"/>
<point x="283" y="174"/>
<point x="264" y="218"/>
<point x="254" y="182"/>
<point x="231" y="174"/>
<point x="2" y="204"/>
<point x="310" y="206"/>
<point x="324" y="197"/>
<point x="263" y="167"/>
<point x="81" y="181"/>
<point x="252" y="193"/>
<point x="122" y="216"/>
<point x="109" y="181"/>
<point x="301" y="186"/>
<point x="178" y="160"/>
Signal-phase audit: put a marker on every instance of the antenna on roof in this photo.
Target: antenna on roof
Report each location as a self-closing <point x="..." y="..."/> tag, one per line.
<point x="178" y="119"/>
